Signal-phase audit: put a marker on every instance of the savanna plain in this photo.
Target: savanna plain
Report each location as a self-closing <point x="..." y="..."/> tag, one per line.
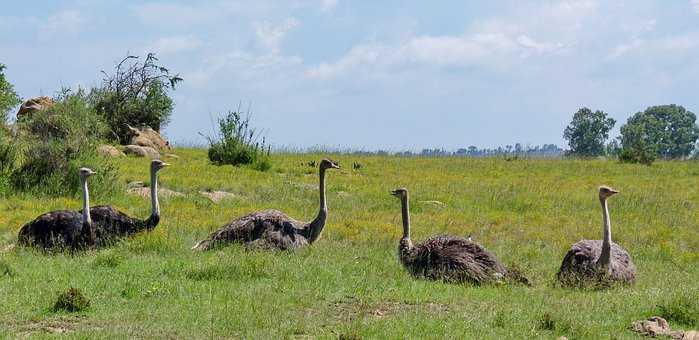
<point x="350" y="284"/>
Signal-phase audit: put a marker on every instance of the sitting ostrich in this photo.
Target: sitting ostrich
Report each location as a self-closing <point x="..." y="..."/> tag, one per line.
<point x="594" y="259"/>
<point x="62" y="229"/>
<point x="272" y="229"/>
<point x="450" y="258"/>
<point x="111" y="224"/>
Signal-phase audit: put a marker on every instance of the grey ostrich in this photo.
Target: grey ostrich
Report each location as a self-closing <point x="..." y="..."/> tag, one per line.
<point x="273" y="229"/>
<point x="594" y="259"/>
<point x="450" y="258"/>
<point x="62" y="229"/>
<point x="111" y="224"/>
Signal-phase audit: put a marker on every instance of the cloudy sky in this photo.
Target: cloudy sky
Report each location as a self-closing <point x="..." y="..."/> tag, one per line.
<point x="373" y="74"/>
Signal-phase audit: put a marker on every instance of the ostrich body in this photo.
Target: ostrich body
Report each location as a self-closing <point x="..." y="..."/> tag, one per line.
<point x="595" y="259"/>
<point x="62" y="229"/>
<point x="111" y="224"/>
<point x="449" y="258"/>
<point x="273" y="229"/>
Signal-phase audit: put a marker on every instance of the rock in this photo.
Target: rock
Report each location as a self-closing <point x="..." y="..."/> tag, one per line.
<point x="656" y="326"/>
<point x="34" y="105"/>
<point x="141" y="151"/>
<point x="135" y="184"/>
<point x="109" y="151"/>
<point x="145" y="192"/>
<point x="691" y="335"/>
<point x="149" y="138"/>
<point x="216" y="196"/>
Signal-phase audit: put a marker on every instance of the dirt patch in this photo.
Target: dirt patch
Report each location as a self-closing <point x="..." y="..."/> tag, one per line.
<point x="216" y="196"/>
<point x="145" y="192"/>
<point x="58" y="325"/>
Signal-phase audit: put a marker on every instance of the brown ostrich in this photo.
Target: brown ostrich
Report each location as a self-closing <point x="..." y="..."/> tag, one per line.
<point x="592" y="260"/>
<point x="62" y="229"/>
<point x="273" y="229"/>
<point x="450" y="258"/>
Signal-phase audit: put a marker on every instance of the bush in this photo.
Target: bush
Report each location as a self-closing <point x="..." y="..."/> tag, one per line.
<point x="137" y="95"/>
<point x="8" y="159"/>
<point x="637" y="146"/>
<point x="56" y="143"/>
<point x="238" y="143"/>
<point x="72" y="300"/>
<point x="8" y="96"/>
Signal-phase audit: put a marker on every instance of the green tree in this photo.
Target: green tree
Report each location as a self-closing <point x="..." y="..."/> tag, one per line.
<point x="135" y="94"/>
<point x="8" y="96"/>
<point x="587" y="132"/>
<point x="669" y="131"/>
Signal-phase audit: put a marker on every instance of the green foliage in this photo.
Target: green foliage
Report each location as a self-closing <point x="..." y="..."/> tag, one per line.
<point x="666" y="131"/>
<point x="135" y="94"/>
<point x="8" y="160"/>
<point x="638" y="146"/>
<point x="8" y="96"/>
<point x="72" y="300"/>
<point x="238" y="143"/>
<point x="681" y="309"/>
<point x="58" y="142"/>
<point x="587" y="132"/>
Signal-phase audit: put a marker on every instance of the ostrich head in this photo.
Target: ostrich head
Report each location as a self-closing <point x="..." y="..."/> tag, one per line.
<point x="400" y="193"/>
<point x="85" y="172"/>
<point x="328" y="164"/>
<point x="606" y="192"/>
<point x="156" y="165"/>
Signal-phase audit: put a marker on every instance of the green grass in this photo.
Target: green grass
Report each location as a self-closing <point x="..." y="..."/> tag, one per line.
<point x="350" y="282"/>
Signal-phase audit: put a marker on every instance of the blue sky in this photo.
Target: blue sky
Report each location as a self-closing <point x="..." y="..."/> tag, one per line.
<point x="373" y="74"/>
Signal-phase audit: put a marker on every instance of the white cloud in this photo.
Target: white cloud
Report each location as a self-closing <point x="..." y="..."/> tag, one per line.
<point x="695" y="5"/>
<point x="270" y="36"/>
<point x="68" y="21"/>
<point x="175" y="44"/>
<point x="328" y="5"/>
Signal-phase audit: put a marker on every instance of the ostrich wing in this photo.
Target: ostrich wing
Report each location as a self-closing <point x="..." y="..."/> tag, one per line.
<point x="456" y="259"/>
<point x="580" y="262"/>
<point x="60" y="228"/>
<point x="266" y="229"/>
<point x="110" y="223"/>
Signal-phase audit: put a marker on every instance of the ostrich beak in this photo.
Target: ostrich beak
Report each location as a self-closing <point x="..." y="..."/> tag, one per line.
<point x="394" y="193"/>
<point x="614" y="191"/>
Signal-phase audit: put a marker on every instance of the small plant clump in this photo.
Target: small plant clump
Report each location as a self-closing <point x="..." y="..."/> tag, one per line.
<point x="238" y="143"/>
<point x="72" y="300"/>
<point x="680" y="310"/>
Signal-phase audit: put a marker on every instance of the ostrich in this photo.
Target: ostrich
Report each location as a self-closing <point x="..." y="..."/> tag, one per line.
<point x="63" y="228"/>
<point x="112" y="224"/>
<point x="594" y="259"/>
<point x="450" y="258"/>
<point x="273" y="229"/>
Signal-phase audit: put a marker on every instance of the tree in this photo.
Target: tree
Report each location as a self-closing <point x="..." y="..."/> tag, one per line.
<point x="587" y="132"/>
<point x="136" y="94"/>
<point x="8" y="96"/>
<point x="668" y="131"/>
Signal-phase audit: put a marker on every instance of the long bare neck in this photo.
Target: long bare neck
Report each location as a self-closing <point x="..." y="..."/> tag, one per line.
<point x="316" y="226"/>
<point x="87" y="220"/>
<point x="405" y="246"/>
<point x="88" y="232"/>
<point x="155" y="205"/>
<point x="605" y="256"/>
<point x="406" y="217"/>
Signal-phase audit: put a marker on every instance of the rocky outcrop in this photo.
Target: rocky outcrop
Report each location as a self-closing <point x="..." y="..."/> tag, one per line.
<point x="656" y="326"/>
<point x="141" y="151"/>
<point x="109" y="151"/>
<point x="34" y="105"/>
<point x="216" y="196"/>
<point x="148" y="137"/>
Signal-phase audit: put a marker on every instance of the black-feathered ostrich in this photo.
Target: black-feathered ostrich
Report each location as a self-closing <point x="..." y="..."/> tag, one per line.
<point x="62" y="229"/>
<point x="598" y="259"/>
<point x="273" y="229"/>
<point x="450" y="258"/>
<point x="111" y="224"/>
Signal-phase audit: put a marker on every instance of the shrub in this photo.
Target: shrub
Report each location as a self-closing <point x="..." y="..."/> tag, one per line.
<point x="238" y="143"/>
<point x="680" y="309"/>
<point x="8" y="159"/>
<point x="58" y="142"/>
<point x="135" y="94"/>
<point x="72" y="300"/>
<point x="8" y="96"/>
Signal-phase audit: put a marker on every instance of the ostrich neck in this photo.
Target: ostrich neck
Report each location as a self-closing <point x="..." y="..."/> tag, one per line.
<point x="87" y="220"/>
<point x="316" y="226"/>
<point x="406" y="217"/>
<point x="405" y="246"/>
<point x="605" y="255"/>
<point x="155" y="206"/>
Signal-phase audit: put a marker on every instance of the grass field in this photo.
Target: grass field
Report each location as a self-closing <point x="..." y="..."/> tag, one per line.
<point x="350" y="284"/>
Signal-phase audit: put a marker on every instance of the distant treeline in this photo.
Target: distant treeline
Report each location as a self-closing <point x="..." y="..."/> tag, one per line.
<point x="516" y="150"/>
